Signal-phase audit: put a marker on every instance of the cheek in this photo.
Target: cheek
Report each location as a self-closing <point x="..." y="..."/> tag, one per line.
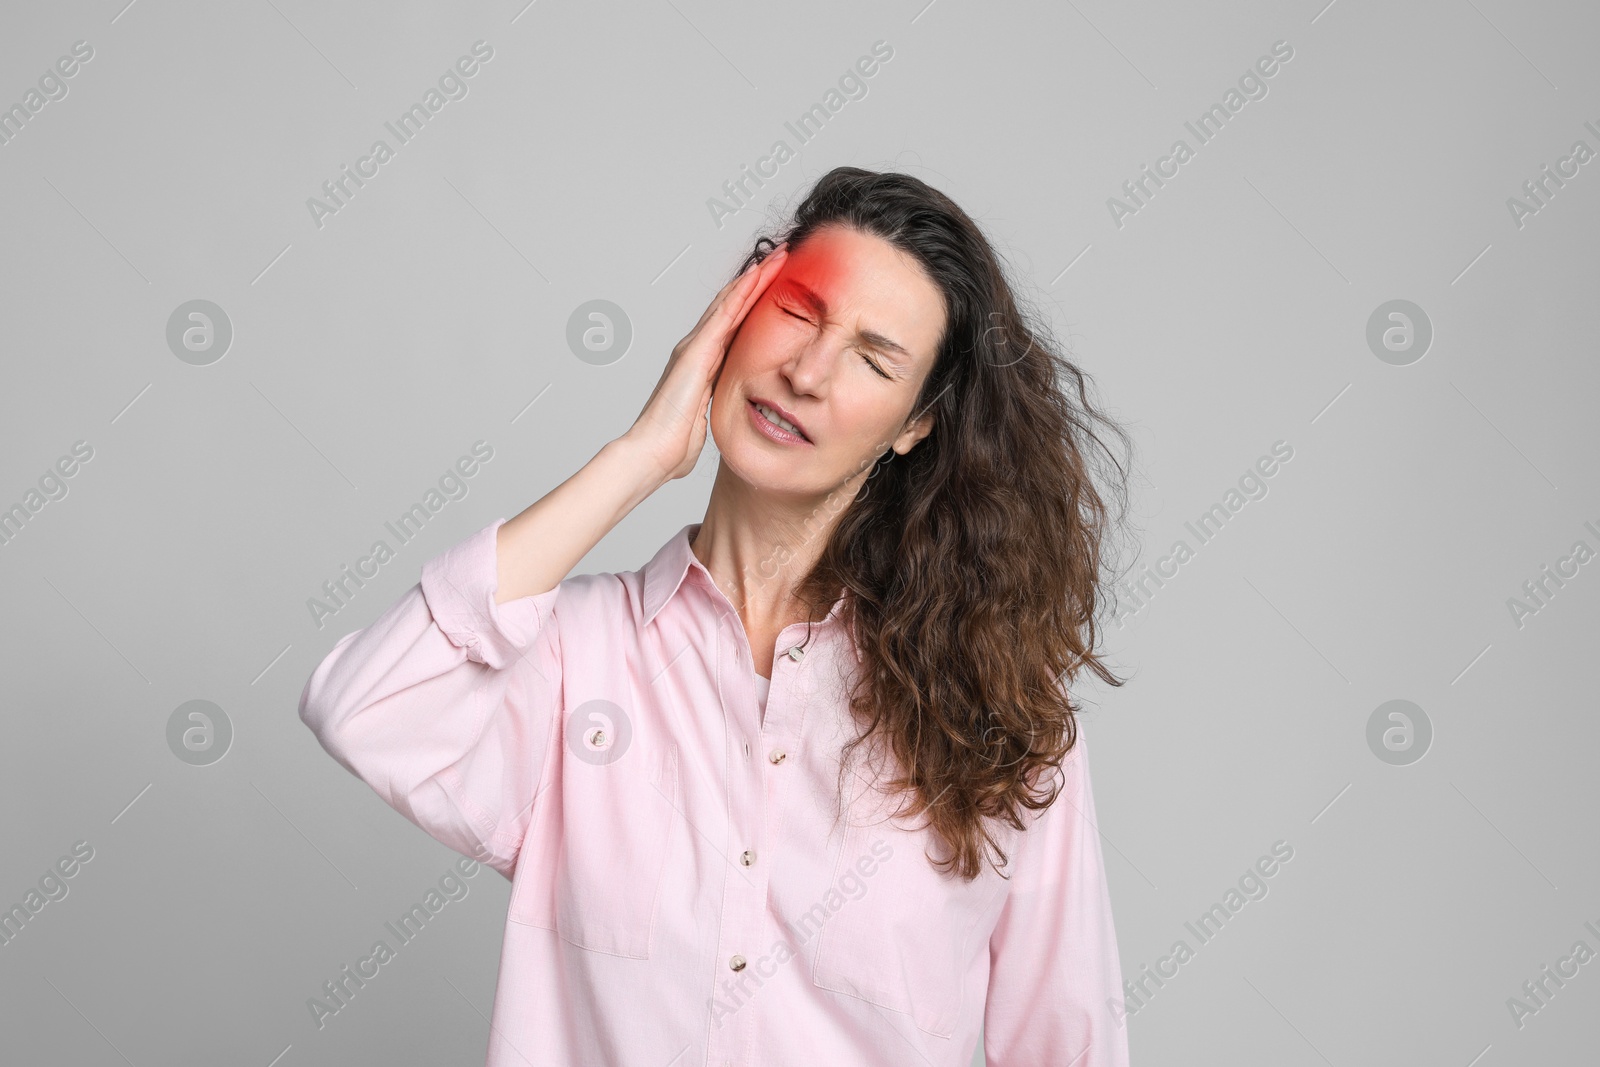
<point x="859" y="428"/>
<point x="883" y="424"/>
<point x="755" y="339"/>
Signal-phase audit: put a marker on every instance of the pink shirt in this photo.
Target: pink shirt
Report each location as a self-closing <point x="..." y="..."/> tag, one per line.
<point x="680" y="893"/>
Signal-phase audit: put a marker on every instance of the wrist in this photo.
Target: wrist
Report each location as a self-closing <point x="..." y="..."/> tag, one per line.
<point x="638" y="463"/>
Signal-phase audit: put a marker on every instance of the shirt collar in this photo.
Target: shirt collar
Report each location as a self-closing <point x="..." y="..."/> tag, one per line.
<point x="667" y="569"/>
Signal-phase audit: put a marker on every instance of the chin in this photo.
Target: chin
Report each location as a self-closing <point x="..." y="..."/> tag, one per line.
<point x="759" y="469"/>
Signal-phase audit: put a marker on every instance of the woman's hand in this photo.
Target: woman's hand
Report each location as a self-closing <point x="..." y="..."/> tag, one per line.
<point x="671" y="430"/>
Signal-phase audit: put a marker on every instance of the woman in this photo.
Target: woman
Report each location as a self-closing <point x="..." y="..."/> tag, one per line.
<point x="807" y="787"/>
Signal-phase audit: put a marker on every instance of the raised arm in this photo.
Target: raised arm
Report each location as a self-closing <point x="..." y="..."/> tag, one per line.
<point x="447" y="704"/>
<point x="541" y="546"/>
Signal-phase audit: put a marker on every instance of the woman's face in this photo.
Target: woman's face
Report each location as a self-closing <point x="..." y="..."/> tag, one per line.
<point x="840" y="343"/>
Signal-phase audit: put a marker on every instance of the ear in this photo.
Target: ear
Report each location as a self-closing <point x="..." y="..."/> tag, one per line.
<point x="914" y="432"/>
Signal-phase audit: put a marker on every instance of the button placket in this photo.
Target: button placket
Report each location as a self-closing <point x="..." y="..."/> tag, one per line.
<point x="795" y="653"/>
<point x="746" y="891"/>
<point x="744" y="887"/>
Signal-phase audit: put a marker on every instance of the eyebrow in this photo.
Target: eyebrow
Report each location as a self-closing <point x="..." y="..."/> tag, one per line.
<point x="810" y="297"/>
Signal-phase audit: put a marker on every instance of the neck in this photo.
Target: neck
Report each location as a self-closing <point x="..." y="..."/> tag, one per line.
<point x="758" y="545"/>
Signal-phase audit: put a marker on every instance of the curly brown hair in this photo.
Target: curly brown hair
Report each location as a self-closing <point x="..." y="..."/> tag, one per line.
<point x="971" y="567"/>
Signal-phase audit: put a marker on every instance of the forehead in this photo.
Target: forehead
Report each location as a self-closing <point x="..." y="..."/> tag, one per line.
<point x="868" y="284"/>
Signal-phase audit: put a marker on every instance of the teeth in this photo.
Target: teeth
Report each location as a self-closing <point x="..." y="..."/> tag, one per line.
<point x="777" y="420"/>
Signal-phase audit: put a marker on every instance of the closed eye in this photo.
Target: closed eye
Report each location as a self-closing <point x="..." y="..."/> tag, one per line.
<point x="864" y="357"/>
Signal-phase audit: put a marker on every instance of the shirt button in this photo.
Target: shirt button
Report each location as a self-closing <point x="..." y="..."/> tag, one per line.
<point x="737" y="963"/>
<point x="778" y="755"/>
<point x="747" y="857"/>
<point x="797" y="653"/>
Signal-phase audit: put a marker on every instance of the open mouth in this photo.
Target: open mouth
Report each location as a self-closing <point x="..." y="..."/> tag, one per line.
<point x="775" y="425"/>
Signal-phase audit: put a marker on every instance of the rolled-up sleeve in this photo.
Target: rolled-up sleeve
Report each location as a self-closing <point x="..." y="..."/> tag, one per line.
<point x="1054" y="970"/>
<point x="445" y="705"/>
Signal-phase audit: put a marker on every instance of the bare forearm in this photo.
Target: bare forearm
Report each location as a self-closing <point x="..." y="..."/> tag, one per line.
<point x="538" y="549"/>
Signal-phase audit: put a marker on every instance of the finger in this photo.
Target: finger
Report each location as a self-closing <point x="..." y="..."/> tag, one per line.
<point x="746" y="276"/>
<point x="727" y="292"/>
<point x="769" y="269"/>
<point x="750" y="274"/>
<point x="716" y="376"/>
<point x="734" y="312"/>
<point x="722" y="316"/>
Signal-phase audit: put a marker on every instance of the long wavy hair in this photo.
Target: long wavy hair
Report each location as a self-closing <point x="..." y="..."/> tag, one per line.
<point x="971" y="567"/>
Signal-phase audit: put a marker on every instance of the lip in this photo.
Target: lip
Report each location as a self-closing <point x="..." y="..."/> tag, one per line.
<point x="777" y="433"/>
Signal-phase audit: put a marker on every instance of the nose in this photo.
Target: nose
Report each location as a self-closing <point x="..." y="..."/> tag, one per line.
<point x="811" y="366"/>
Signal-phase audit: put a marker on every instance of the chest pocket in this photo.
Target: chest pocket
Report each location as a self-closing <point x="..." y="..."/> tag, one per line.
<point x="591" y="865"/>
<point x="908" y="943"/>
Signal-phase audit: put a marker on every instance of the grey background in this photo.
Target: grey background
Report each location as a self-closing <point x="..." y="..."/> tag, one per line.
<point x="369" y="354"/>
